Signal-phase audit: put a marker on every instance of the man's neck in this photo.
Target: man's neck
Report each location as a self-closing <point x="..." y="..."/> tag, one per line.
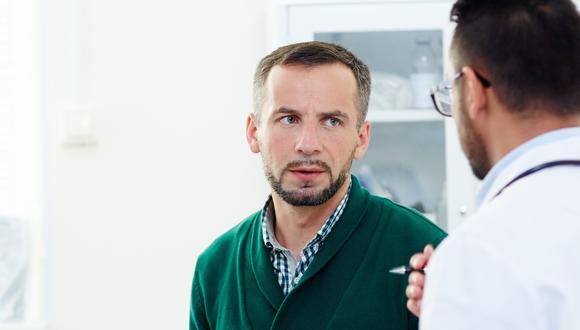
<point x="296" y="225"/>
<point x="513" y="131"/>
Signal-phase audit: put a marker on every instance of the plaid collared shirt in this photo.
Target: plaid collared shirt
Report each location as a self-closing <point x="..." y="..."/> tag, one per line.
<point x="287" y="269"/>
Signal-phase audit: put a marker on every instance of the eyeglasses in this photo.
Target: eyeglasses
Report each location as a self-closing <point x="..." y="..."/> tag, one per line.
<point x="441" y="94"/>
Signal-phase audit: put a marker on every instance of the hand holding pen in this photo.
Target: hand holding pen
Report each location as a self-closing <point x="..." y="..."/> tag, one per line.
<point x="414" y="290"/>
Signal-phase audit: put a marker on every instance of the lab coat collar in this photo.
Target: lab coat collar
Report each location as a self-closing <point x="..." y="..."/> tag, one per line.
<point x="555" y="145"/>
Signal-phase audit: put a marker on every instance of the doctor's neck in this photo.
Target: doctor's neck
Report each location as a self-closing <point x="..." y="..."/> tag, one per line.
<point x="512" y="129"/>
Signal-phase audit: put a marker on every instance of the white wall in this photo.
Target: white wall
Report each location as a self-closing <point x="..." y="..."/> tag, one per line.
<point x="168" y="84"/>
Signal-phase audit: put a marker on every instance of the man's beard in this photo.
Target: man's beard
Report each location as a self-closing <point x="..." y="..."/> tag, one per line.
<point x="314" y="198"/>
<point x="473" y="146"/>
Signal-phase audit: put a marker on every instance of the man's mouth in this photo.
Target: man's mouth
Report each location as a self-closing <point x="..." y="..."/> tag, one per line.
<point x="306" y="173"/>
<point x="307" y="169"/>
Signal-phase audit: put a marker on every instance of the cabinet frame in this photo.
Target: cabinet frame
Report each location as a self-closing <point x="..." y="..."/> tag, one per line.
<point x="298" y="20"/>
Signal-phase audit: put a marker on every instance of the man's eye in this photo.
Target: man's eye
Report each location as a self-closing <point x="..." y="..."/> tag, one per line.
<point x="288" y="120"/>
<point x="332" y="122"/>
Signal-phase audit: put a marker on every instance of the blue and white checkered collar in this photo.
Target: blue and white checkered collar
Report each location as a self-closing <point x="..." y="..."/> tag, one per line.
<point x="269" y="217"/>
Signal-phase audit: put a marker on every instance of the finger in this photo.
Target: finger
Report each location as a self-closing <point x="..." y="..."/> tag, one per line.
<point x="417" y="279"/>
<point x="414" y="306"/>
<point x="418" y="261"/>
<point x="427" y="253"/>
<point x="414" y="292"/>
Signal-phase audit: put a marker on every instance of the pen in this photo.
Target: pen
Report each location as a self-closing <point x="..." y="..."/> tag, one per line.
<point x="404" y="270"/>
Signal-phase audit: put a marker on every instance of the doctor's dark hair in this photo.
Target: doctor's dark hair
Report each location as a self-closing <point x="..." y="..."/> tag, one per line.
<point x="312" y="54"/>
<point x="528" y="49"/>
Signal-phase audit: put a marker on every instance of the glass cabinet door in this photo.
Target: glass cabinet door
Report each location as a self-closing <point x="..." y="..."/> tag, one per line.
<point x="414" y="157"/>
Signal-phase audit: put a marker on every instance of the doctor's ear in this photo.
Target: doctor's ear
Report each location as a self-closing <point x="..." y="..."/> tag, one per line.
<point x="475" y="93"/>
<point x="252" y="133"/>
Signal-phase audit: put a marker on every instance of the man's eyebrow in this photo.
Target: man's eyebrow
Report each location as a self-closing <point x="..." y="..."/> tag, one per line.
<point x="335" y="113"/>
<point x="285" y="110"/>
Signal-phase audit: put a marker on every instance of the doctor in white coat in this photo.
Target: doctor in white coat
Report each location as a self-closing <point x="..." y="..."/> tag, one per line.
<point x="515" y="97"/>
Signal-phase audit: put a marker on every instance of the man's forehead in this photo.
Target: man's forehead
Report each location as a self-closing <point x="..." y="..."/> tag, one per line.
<point x="452" y="64"/>
<point x="302" y="69"/>
<point x="457" y="55"/>
<point x="322" y="84"/>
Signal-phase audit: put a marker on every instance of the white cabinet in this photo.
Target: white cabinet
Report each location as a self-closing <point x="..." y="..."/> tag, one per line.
<point x="415" y="157"/>
<point x="22" y="261"/>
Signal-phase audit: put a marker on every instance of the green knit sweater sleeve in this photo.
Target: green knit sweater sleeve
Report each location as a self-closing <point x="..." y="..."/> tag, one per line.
<point x="197" y="314"/>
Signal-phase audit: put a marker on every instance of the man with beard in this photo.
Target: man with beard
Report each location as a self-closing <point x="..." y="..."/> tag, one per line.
<point x="318" y="253"/>
<point x="516" y="101"/>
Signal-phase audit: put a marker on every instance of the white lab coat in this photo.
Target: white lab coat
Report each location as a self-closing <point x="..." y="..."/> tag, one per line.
<point x="515" y="264"/>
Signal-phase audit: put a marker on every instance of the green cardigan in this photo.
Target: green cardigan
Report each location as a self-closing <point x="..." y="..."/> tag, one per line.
<point x="347" y="285"/>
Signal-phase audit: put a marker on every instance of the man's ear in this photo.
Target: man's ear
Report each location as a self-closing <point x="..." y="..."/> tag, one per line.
<point x="475" y="94"/>
<point x="252" y="133"/>
<point x="364" y="138"/>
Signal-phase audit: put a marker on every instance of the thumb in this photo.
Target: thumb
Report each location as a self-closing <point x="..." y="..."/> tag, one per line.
<point x="427" y="253"/>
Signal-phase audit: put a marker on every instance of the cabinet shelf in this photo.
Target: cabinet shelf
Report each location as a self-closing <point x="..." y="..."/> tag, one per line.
<point x="23" y="326"/>
<point x="403" y="115"/>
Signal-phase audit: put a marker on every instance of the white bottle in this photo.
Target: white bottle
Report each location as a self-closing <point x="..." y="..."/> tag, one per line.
<point x="425" y="73"/>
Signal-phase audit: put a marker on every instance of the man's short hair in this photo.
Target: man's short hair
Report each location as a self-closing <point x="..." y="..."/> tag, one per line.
<point x="528" y="49"/>
<point x="310" y="54"/>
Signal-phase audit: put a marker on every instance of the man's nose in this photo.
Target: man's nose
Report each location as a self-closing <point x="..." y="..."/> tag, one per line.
<point x="309" y="140"/>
